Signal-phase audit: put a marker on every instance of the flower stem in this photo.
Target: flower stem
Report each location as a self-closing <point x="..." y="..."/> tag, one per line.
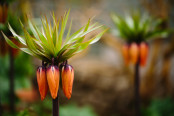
<point x="137" y="92"/>
<point x="56" y="106"/>
<point x="55" y="101"/>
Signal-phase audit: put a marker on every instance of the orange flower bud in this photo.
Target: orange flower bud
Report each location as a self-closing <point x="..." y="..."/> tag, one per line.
<point x="53" y="75"/>
<point x="125" y="50"/>
<point x="67" y="80"/>
<point x="143" y="53"/>
<point x="134" y="53"/>
<point x="42" y="82"/>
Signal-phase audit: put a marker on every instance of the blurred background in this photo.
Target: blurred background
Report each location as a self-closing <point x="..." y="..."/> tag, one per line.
<point x="103" y="85"/>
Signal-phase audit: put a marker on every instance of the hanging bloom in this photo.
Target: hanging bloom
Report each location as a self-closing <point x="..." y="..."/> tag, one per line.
<point x="134" y="53"/>
<point x="143" y="53"/>
<point x="53" y="75"/>
<point x="139" y="28"/>
<point x="50" y="45"/>
<point x="67" y="80"/>
<point x="125" y="50"/>
<point x="42" y="82"/>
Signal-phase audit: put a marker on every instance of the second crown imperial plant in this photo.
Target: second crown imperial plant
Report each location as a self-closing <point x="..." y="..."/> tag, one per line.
<point x="49" y="45"/>
<point x="134" y="52"/>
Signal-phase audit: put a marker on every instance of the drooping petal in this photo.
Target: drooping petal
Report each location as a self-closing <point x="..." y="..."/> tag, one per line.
<point x="67" y="80"/>
<point x="125" y="50"/>
<point x="42" y="82"/>
<point x="134" y="53"/>
<point x="144" y="49"/>
<point x="53" y="75"/>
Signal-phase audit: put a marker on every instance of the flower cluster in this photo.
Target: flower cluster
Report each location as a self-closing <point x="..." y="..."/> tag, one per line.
<point x="50" y="77"/>
<point x="136" y="29"/>
<point x="135" y="52"/>
<point x="49" y="44"/>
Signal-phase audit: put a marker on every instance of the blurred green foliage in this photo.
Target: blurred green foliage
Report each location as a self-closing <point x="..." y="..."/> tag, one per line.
<point x="74" y="110"/>
<point x="13" y="20"/>
<point x="160" y="107"/>
<point x="44" y="108"/>
<point x="138" y="27"/>
<point x="23" y="70"/>
<point x="23" y="113"/>
<point x="6" y="1"/>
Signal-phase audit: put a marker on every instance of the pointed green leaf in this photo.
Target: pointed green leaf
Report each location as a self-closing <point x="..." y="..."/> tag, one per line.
<point x="17" y="36"/>
<point x="87" y="25"/>
<point x="63" y="25"/>
<point x="97" y="37"/>
<point x="33" y="29"/>
<point x="26" y="50"/>
<point x="68" y="34"/>
<point x="9" y="41"/>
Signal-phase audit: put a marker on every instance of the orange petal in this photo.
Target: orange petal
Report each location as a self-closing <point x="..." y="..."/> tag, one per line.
<point x="42" y="82"/>
<point x="125" y="50"/>
<point x="67" y="80"/>
<point x="53" y="80"/>
<point x="134" y="52"/>
<point x="143" y="53"/>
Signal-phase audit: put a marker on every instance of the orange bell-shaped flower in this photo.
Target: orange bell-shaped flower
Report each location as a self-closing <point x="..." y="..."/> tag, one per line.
<point x="42" y="82"/>
<point x="53" y="75"/>
<point x="67" y="80"/>
<point x="144" y="49"/>
<point x="134" y="53"/>
<point x="125" y="51"/>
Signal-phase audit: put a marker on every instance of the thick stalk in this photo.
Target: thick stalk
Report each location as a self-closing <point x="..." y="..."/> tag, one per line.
<point x="137" y="91"/>
<point x="56" y="106"/>
<point x="55" y="101"/>
<point x="11" y="78"/>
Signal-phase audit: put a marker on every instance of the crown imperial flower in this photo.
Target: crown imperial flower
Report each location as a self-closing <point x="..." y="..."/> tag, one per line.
<point x="53" y="76"/>
<point x="67" y="80"/>
<point x="136" y="29"/>
<point x="144" y="49"/>
<point x="42" y="81"/>
<point x="49" y="44"/>
<point x="134" y="53"/>
<point x="125" y="50"/>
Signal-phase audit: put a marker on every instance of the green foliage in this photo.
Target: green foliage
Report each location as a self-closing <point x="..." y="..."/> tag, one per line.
<point x="65" y="110"/>
<point x="23" y="70"/>
<point x="137" y="27"/>
<point x="14" y="22"/>
<point x="42" y="108"/>
<point x="6" y="1"/>
<point x="160" y="107"/>
<point x="48" y="41"/>
<point x="23" y="113"/>
<point x="74" y="110"/>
